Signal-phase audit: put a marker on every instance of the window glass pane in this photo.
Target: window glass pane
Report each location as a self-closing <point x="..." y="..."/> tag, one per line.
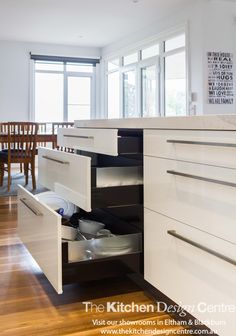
<point x="79" y="98"/>
<point x="174" y="43"/>
<point x="48" y="97"/>
<point x="77" y="67"/>
<point x="113" y="65"/>
<point x="129" y="93"/>
<point x="51" y="66"/>
<point x="175" y="85"/>
<point x="132" y="58"/>
<point x="113" y="95"/>
<point x="150" y="51"/>
<point x="149" y="86"/>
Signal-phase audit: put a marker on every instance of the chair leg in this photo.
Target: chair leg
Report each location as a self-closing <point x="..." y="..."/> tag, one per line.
<point x="9" y="177"/>
<point x="21" y="168"/>
<point x="1" y="173"/>
<point x="33" y="174"/>
<point x="26" y="172"/>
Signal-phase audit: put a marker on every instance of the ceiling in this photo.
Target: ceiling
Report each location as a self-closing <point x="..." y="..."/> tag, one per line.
<point x="80" y="22"/>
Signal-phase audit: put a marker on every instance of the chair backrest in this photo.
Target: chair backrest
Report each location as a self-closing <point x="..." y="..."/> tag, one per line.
<point x="42" y="129"/>
<point x="55" y="126"/>
<point x="4" y="130"/>
<point x="22" y="140"/>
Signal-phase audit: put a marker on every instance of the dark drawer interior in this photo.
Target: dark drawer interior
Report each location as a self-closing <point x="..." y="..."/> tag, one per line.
<point x="129" y="160"/>
<point x="117" y="196"/>
<point x="130" y="145"/>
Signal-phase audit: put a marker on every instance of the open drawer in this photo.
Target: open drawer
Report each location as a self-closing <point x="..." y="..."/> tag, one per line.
<point x="39" y="228"/>
<point x="73" y="177"/>
<point x="103" y="141"/>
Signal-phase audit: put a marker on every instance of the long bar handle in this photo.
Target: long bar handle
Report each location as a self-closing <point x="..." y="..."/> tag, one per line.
<point x="78" y="136"/>
<point x="201" y="178"/>
<point x="35" y="211"/>
<point x="55" y="160"/>
<point x="201" y="247"/>
<point x="204" y="143"/>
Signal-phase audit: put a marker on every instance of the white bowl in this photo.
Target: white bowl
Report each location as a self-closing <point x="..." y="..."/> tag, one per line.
<point x="90" y="226"/>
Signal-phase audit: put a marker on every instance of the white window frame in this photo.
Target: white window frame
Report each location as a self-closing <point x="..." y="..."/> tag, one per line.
<point x="66" y="74"/>
<point x="156" y="60"/>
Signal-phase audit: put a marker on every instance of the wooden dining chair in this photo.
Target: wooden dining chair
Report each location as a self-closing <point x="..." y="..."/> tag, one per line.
<point x="3" y="130"/>
<point x="42" y="128"/>
<point x="55" y="126"/>
<point x="21" y="148"/>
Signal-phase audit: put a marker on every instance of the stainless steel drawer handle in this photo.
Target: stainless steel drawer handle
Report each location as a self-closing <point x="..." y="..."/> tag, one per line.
<point x="35" y="211"/>
<point x="55" y="160"/>
<point x="204" y="143"/>
<point x="200" y="178"/>
<point x="78" y="136"/>
<point x="201" y="247"/>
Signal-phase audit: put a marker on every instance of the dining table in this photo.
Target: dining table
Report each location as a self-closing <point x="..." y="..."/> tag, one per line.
<point x="40" y="138"/>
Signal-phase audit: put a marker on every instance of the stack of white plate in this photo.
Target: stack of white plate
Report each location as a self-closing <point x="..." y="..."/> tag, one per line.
<point x="111" y="246"/>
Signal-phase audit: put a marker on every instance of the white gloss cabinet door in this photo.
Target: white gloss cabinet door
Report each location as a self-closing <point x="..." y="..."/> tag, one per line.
<point x="206" y="147"/>
<point x="204" y="204"/>
<point x="188" y="275"/>
<point x="69" y="175"/>
<point x="39" y="229"/>
<point x="103" y="141"/>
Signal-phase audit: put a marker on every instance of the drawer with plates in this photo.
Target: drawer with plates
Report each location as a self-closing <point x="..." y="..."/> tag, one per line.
<point x="73" y="177"/>
<point x="199" y="195"/>
<point x="207" y="147"/>
<point x="63" y="262"/>
<point x="186" y="265"/>
<point x="103" y="141"/>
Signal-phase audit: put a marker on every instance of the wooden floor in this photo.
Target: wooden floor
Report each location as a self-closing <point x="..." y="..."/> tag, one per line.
<point x="30" y="306"/>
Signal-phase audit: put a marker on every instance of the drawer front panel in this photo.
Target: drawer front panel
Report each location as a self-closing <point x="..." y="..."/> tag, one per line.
<point x="199" y="195"/>
<point x="187" y="274"/>
<point x="91" y="140"/>
<point x="69" y="175"/>
<point x="39" y="228"/>
<point x="207" y="147"/>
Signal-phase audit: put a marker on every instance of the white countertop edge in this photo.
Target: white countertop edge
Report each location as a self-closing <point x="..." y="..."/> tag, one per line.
<point x="206" y="122"/>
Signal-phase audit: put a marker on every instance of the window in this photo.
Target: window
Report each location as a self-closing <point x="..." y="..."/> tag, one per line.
<point x="113" y="89"/>
<point x="79" y="98"/>
<point x="175" y="85"/>
<point x="129" y="93"/>
<point x="150" y="51"/>
<point x="129" y="59"/>
<point x="150" y="81"/>
<point x="175" y="42"/>
<point x="113" y="95"/>
<point x="175" y="76"/>
<point x="64" y="91"/>
<point x="149" y="91"/>
<point x="48" y="97"/>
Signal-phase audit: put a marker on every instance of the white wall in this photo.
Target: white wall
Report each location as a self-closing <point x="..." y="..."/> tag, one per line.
<point x="15" y="74"/>
<point x="219" y="35"/>
<point x="211" y="27"/>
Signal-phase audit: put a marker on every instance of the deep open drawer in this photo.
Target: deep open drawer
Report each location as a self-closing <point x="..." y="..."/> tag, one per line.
<point x="103" y="141"/>
<point x="39" y="228"/>
<point x="72" y="177"/>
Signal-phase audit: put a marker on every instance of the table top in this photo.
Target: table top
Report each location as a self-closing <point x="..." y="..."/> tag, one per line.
<point x="41" y="137"/>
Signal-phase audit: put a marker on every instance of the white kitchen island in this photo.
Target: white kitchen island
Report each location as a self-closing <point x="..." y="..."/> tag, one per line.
<point x="189" y="202"/>
<point x="190" y="212"/>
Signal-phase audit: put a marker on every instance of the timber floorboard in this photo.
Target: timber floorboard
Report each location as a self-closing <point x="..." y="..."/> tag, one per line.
<point x="29" y="306"/>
